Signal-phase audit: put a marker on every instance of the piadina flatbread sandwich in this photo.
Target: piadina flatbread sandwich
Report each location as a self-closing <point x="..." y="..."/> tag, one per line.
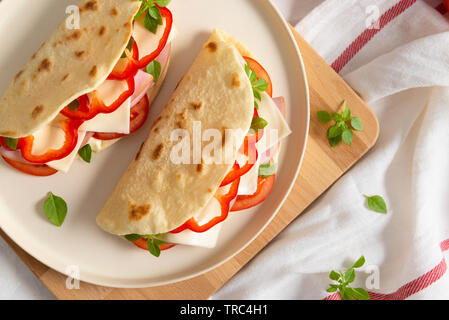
<point x="171" y="195"/>
<point x="87" y="86"/>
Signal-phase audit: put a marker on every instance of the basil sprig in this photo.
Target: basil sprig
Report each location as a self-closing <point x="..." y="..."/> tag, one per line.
<point x="258" y="85"/>
<point x="377" y="204"/>
<point x="344" y="279"/>
<point x="153" y="17"/>
<point x="86" y="153"/>
<point x="55" y="209"/>
<point x="267" y="170"/>
<point x="258" y="123"/>
<point x="152" y="242"/>
<point x="344" y="125"/>
<point x="155" y="69"/>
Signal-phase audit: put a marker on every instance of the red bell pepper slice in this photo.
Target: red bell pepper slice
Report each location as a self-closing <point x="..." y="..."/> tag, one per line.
<point x="264" y="187"/>
<point x="70" y="128"/>
<point x="38" y="170"/>
<point x="86" y="112"/>
<point x="165" y="13"/>
<point x="131" y="67"/>
<point x="225" y="202"/>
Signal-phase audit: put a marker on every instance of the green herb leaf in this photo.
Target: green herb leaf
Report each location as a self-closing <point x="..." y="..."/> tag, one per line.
<point x="133" y="237"/>
<point x="332" y="288"/>
<point x="11" y="143"/>
<point x="324" y="116"/>
<point x="150" y="22"/>
<point x="55" y="209"/>
<point x="261" y="84"/>
<point x="153" y="248"/>
<point x="377" y="204"/>
<point x="335" y="141"/>
<point x="349" y="275"/>
<point x="334" y="275"/>
<point x="74" y="105"/>
<point x="359" y="263"/>
<point x="258" y="123"/>
<point x="335" y="131"/>
<point x="267" y="170"/>
<point x="347" y="136"/>
<point x="162" y="3"/>
<point x="346" y="112"/>
<point x="155" y="69"/>
<point x="360" y="294"/>
<point x="356" y="123"/>
<point x="86" y="153"/>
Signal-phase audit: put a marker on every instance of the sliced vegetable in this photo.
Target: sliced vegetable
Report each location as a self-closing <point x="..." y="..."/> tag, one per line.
<point x="70" y="128"/>
<point x="38" y="170"/>
<point x="124" y="70"/>
<point x="263" y="190"/>
<point x="142" y="244"/>
<point x="97" y="106"/>
<point x="138" y="117"/>
<point x="261" y="74"/>
<point x="225" y="202"/>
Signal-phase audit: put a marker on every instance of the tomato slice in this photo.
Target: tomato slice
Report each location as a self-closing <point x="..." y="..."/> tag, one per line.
<point x="261" y="73"/>
<point x="264" y="187"/>
<point x="39" y="170"/>
<point x="225" y="203"/>
<point x="446" y="4"/>
<point x="138" y="117"/>
<point x="142" y="244"/>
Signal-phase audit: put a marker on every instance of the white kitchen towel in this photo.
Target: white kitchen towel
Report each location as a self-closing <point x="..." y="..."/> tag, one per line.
<point x="395" y="55"/>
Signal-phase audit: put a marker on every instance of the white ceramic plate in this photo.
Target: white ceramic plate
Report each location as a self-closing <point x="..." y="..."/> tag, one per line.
<point x="108" y="260"/>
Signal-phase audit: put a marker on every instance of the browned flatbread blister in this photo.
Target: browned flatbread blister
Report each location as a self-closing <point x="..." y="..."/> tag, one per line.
<point x="69" y="64"/>
<point x="156" y="195"/>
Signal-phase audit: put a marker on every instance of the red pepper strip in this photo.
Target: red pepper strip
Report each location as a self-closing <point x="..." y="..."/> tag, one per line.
<point x="225" y="202"/>
<point x="97" y="106"/>
<point x="165" y="13"/>
<point x="130" y="68"/>
<point x="70" y="128"/>
<point x="261" y="73"/>
<point x="236" y="171"/>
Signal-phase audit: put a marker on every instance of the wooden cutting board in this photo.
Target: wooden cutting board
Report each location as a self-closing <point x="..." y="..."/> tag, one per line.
<point x="322" y="166"/>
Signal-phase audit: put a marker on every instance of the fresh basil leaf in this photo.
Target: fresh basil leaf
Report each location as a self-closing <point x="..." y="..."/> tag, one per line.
<point x="333" y="275"/>
<point x="347" y="293"/>
<point x="55" y="209"/>
<point x="153" y="248"/>
<point x="155" y="69"/>
<point x="267" y="170"/>
<point x="324" y="116"/>
<point x="349" y="275"/>
<point x="256" y="105"/>
<point x="335" y="141"/>
<point x="253" y="77"/>
<point x="258" y="123"/>
<point x="347" y="136"/>
<point x="150" y="23"/>
<point x="133" y="237"/>
<point x="74" y="105"/>
<point x="162" y="3"/>
<point x="346" y="112"/>
<point x="261" y="85"/>
<point x="335" y="131"/>
<point x="11" y="143"/>
<point x="332" y="288"/>
<point x="257" y="95"/>
<point x="377" y="204"/>
<point x="360" y="294"/>
<point x="359" y="263"/>
<point x="247" y="69"/>
<point x="86" y="153"/>
<point x="356" y="123"/>
<point x="338" y="117"/>
<point x="155" y="14"/>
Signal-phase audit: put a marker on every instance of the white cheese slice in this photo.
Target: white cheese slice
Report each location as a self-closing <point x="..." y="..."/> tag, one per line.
<point x="248" y="182"/>
<point x="98" y="145"/>
<point x="65" y="164"/>
<point x="206" y="239"/>
<point x="277" y="128"/>
<point x="116" y="122"/>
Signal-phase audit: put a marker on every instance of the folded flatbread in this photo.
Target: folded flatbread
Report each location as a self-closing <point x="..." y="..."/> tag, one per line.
<point x="92" y="51"/>
<point x="155" y="195"/>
